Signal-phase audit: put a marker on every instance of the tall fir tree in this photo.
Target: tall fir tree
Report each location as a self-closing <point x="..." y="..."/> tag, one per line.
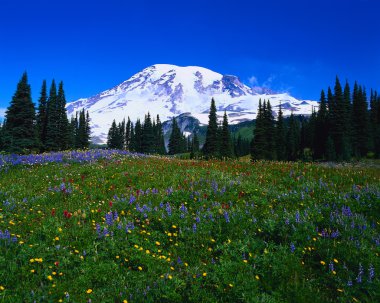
<point x="159" y="138"/>
<point x="321" y="129"/>
<point x="269" y="133"/>
<point x="42" y="116"/>
<point x="138" y="136"/>
<point x="63" y="122"/>
<point x="194" y="145"/>
<point x="280" y="136"/>
<point x="175" y="140"/>
<point x="347" y="127"/>
<point x="210" y="148"/>
<point x="226" y="148"/>
<point x="360" y="122"/>
<point x="52" y="130"/>
<point x="72" y="132"/>
<point x="113" y="138"/>
<point x="19" y="131"/>
<point x="293" y="139"/>
<point x="128" y="134"/>
<point x="148" y="142"/>
<point x="258" y="140"/>
<point x="337" y="120"/>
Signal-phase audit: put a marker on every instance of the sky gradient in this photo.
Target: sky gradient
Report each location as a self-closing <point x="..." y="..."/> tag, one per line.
<point x="295" y="46"/>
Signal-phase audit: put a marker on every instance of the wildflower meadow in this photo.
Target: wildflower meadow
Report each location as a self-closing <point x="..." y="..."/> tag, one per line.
<point x="111" y="226"/>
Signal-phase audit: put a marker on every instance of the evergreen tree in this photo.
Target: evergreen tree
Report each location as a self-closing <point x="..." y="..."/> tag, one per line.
<point x="280" y="136"/>
<point x="258" y="140"/>
<point x="52" y="130"/>
<point x="330" y="149"/>
<point x="138" y="137"/>
<point x="82" y="137"/>
<point x="42" y="116"/>
<point x="113" y="138"/>
<point x="175" y="140"/>
<point x="307" y="136"/>
<point x="76" y="135"/>
<point x="160" y="141"/>
<point x="148" y="142"/>
<point x="293" y="139"/>
<point x="210" y="148"/>
<point x="19" y="131"/>
<point x="128" y="134"/>
<point x="132" y="143"/>
<point x="194" y="144"/>
<point x="347" y="127"/>
<point x="337" y="119"/>
<point x="122" y="128"/>
<point x="360" y="122"/>
<point x="269" y="133"/>
<point x="87" y="137"/>
<point x="62" y="139"/>
<point x="321" y="129"/>
<point x="72" y="132"/>
<point x="226" y="143"/>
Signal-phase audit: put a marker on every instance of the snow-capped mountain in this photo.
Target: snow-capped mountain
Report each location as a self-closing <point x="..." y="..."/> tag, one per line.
<point x="170" y="90"/>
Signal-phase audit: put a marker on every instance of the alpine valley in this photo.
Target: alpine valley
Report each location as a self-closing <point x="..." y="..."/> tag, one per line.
<point x="183" y="92"/>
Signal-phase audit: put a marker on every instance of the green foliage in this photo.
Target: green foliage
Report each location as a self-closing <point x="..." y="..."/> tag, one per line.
<point x="263" y="142"/>
<point x="19" y="131"/>
<point x="210" y="148"/>
<point x="226" y="147"/>
<point x="42" y="115"/>
<point x="176" y="140"/>
<point x="114" y="138"/>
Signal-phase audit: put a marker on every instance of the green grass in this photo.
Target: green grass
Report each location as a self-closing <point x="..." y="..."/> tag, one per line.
<point x="189" y="231"/>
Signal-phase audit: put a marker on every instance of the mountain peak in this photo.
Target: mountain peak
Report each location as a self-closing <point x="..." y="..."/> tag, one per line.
<point x="170" y="90"/>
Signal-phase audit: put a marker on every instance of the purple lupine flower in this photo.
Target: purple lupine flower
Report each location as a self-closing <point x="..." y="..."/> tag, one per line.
<point x="194" y="228"/>
<point x="331" y="266"/>
<point x="335" y="234"/>
<point x="168" y="209"/>
<point x="109" y="218"/>
<point x="132" y="199"/>
<point x="360" y="274"/>
<point x="349" y="283"/>
<point x="298" y="219"/>
<point x="292" y="247"/>
<point x="371" y="272"/>
<point x="226" y="217"/>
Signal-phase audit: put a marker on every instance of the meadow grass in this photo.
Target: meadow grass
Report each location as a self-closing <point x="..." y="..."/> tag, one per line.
<point x="128" y="228"/>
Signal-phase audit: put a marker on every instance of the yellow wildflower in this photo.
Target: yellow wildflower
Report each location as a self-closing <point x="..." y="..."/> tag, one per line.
<point x="89" y="291"/>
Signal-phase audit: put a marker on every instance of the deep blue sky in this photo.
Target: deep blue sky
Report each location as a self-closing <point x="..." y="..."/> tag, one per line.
<point x="292" y="45"/>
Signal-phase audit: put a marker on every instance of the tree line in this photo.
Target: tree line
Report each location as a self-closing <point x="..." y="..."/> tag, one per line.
<point x="343" y="127"/>
<point x="146" y="137"/>
<point x="26" y="129"/>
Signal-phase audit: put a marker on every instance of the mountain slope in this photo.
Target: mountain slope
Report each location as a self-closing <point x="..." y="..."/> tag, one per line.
<point x="170" y="90"/>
